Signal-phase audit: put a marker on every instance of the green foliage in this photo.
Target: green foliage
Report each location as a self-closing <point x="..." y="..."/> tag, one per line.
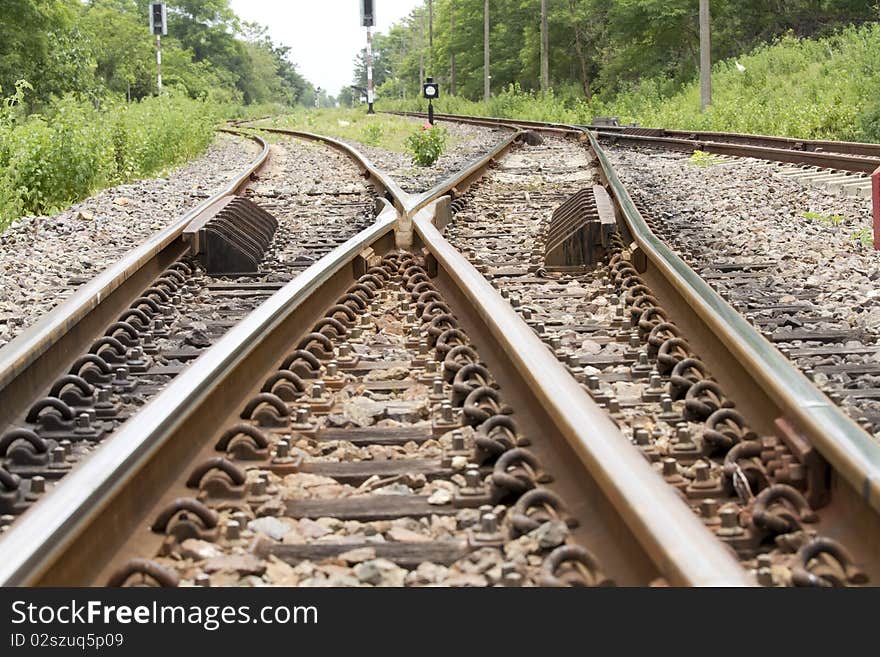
<point x="812" y="89"/>
<point x="596" y="46"/>
<point x="703" y="159"/>
<point x="426" y="145"/>
<point x="54" y="159"/>
<point x="371" y="134"/>
<point x="827" y="219"/>
<point x="864" y="236"/>
<point x="102" y="48"/>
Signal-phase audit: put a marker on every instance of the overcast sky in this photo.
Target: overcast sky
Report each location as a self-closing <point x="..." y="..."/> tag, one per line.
<point x="324" y="35"/>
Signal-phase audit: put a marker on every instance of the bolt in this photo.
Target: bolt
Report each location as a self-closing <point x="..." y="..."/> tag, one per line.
<point x="355" y="332"/>
<point x="670" y="467"/>
<point x="702" y="471"/>
<point x="282" y="449"/>
<point x="643" y="358"/>
<point x="682" y="434"/>
<point x="613" y="405"/>
<point x="431" y="367"/>
<point x="472" y="477"/>
<point x="58" y="455"/>
<point x="654" y="382"/>
<point x="642" y="437"/>
<point x="555" y="343"/>
<point x="332" y="368"/>
<point x="83" y="421"/>
<point x="233" y="530"/>
<point x="38" y="485"/>
<point x="202" y="579"/>
<point x="709" y="508"/>
<point x="103" y="395"/>
<point x="446" y="412"/>
<point x="258" y="487"/>
<point x="634" y="341"/>
<point x="318" y="390"/>
<point x="540" y="328"/>
<point x="514" y="301"/>
<point x="302" y="415"/>
<point x="457" y="441"/>
<point x="666" y="404"/>
<point x="423" y="347"/>
<point x="344" y="350"/>
<point x="764" y="561"/>
<point x="765" y="577"/>
<point x="67" y="446"/>
<point x="593" y="382"/>
<point x="729" y="518"/>
<point x="438" y="386"/>
<point x="489" y="523"/>
<point x="526" y="314"/>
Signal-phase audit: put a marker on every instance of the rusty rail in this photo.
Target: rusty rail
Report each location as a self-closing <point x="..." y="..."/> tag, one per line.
<point x="843" y="156"/>
<point x="78" y="526"/>
<point x="30" y="362"/>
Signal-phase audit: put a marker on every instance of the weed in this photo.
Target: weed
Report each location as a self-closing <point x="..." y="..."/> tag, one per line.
<point x="704" y="159"/>
<point x="426" y="145"/>
<point x="864" y="236"/>
<point x="827" y="219"/>
<point x="372" y="133"/>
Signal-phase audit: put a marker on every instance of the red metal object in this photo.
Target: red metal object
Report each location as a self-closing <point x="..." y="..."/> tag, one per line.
<point x="875" y="202"/>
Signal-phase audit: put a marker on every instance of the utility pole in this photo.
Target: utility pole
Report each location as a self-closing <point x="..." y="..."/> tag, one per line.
<point x="545" y="49"/>
<point x="705" y="58"/>
<point x="431" y="36"/>
<point x="368" y="20"/>
<point x="451" y="47"/>
<point x="487" y="91"/>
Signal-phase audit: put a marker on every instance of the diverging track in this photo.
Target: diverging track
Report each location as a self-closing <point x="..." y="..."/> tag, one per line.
<point x="392" y="416"/>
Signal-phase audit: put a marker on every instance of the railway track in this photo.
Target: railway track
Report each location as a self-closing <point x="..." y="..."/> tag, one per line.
<point x="393" y="415"/>
<point x="817" y="155"/>
<point x="128" y="356"/>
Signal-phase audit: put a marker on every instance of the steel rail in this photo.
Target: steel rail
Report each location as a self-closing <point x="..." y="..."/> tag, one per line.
<point x="368" y="169"/>
<point x="843" y="156"/>
<point x="39" y="354"/>
<point x="846" y="446"/>
<point x="93" y="508"/>
<point x="839" y="161"/>
<point x="684" y="550"/>
<point x="74" y="518"/>
<point x="61" y="523"/>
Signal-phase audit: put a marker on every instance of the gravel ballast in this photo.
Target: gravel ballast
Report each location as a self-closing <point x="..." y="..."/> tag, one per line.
<point x="44" y="259"/>
<point x="810" y="241"/>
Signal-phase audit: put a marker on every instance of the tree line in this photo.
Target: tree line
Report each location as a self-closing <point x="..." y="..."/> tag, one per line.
<point x="592" y="46"/>
<point x="94" y="48"/>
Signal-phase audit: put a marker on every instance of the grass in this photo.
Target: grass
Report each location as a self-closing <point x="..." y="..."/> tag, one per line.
<point x="380" y="130"/>
<point x="703" y="159"/>
<point x="50" y="161"/>
<point x="826" y="219"/>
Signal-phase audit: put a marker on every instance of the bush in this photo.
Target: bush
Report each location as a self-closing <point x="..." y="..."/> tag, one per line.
<point x="48" y="161"/>
<point x="426" y="145"/>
